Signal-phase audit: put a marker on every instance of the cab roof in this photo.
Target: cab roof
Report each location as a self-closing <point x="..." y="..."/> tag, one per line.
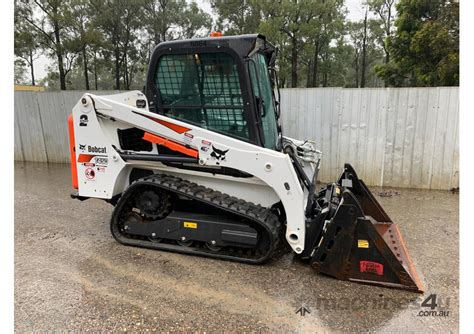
<point x="241" y="44"/>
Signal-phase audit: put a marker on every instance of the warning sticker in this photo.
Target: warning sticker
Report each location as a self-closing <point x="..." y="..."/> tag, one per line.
<point x="371" y="267"/>
<point x="362" y="243"/>
<point x="346" y="183"/>
<point x="90" y="174"/>
<point x="190" y="225"/>
<point x="188" y="138"/>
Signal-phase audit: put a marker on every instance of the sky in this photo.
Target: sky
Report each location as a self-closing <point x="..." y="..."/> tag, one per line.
<point x="354" y="7"/>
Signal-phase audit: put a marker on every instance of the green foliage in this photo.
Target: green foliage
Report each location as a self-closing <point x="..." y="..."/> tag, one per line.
<point x="20" y="72"/>
<point x="168" y="20"/>
<point x="304" y="30"/>
<point x="425" y="47"/>
<point x="236" y="17"/>
<point x="382" y="26"/>
<point x="26" y="46"/>
<point x="194" y="22"/>
<point x="100" y="44"/>
<point x="312" y="36"/>
<point x="106" y="44"/>
<point x="48" y="22"/>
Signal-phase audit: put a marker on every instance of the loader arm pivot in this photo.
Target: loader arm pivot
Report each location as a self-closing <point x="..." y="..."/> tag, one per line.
<point x="198" y="164"/>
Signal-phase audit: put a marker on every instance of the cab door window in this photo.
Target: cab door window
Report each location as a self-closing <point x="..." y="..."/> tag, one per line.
<point x="262" y="89"/>
<point x="203" y="89"/>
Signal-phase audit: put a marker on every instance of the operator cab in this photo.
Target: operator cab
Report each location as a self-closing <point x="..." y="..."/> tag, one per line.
<point x="223" y="84"/>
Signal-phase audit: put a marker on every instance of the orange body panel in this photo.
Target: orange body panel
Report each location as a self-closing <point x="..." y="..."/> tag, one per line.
<point x="85" y="157"/>
<point x="175" y="127"/>
<point x="170" y="144"/>
<point x="72" y="150"/>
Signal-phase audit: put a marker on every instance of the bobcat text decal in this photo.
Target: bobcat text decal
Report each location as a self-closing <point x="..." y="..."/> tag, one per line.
<point x="93" y="149"/>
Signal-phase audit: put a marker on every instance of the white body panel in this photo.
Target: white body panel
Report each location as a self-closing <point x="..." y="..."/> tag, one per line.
<point x="274" y="176"/>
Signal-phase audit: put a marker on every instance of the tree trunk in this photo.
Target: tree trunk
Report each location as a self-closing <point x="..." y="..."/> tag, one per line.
<point x="387" y="33"/>
<point x="387" y="28"/>
<point x="357" y="70"/>
<point x="325" y="75"/>
<point x="62" y="74"/>
<point x="294" y="62"/>
<point x="86" y="69"/>
<point x="117" y="68"/>
<point x="314" y="81"/>
<point x="58" y="50"/>
<point x="308" y="74"/>
<point x="95" y="70"/>
<point x="32" y="69"/>
<point x="59" y="55"/>
<point x="364" y="53"/>
<point x="127" y="81"/>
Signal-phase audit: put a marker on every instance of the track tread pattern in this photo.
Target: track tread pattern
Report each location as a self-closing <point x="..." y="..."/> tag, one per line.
<point x="253" y="212"/>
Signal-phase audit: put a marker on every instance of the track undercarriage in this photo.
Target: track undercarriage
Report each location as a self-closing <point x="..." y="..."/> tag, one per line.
<point x="168" y="213"/>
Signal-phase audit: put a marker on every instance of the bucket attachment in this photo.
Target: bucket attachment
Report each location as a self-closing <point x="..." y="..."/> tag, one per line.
<point x="360" y="243"/>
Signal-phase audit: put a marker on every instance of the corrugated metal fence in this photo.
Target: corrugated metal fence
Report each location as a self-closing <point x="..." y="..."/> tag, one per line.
<point x="406" y="137"/>
<point x="41" y="124"/>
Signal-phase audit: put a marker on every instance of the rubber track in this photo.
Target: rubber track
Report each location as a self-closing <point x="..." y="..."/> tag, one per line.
<point x="256" y="213"/>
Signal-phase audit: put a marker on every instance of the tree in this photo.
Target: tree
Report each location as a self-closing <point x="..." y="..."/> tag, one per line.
<point x="328" y="27"/>
<point x="306" y="32"/>
<point x="356" y="35"/>
<point x="84" y="34"/>
<point x="106" y="44"/>
<point x="20" y="71"/>
<point x="290" y="21"/>
<point x="26" y="46"/>
<point x="237" y="17"/>
<point x="366" y="51"/>
<point x="194" y="22"/>
<point x="341" y="70"/>
<point x="425" y="48"/>
<point x="384" y="9"/>
<point x="119" y="22"/>
<point x="161" y="15"/>
<point x="173" y="19"/>
<point x="50" y="24"/>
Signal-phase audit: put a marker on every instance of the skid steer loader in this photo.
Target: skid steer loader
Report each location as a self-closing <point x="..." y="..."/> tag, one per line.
<point x="198" y="164"/>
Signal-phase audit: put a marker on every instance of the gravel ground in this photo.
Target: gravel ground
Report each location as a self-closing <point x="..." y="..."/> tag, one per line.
<point x="70" y="274"/>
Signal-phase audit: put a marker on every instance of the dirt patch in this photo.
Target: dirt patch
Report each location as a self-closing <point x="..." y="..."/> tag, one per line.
<point x="71" y="275"/>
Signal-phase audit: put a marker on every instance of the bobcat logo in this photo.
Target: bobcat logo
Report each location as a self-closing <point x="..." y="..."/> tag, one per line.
<point x="82" y="147"/>
<point x="217" y="154"/>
